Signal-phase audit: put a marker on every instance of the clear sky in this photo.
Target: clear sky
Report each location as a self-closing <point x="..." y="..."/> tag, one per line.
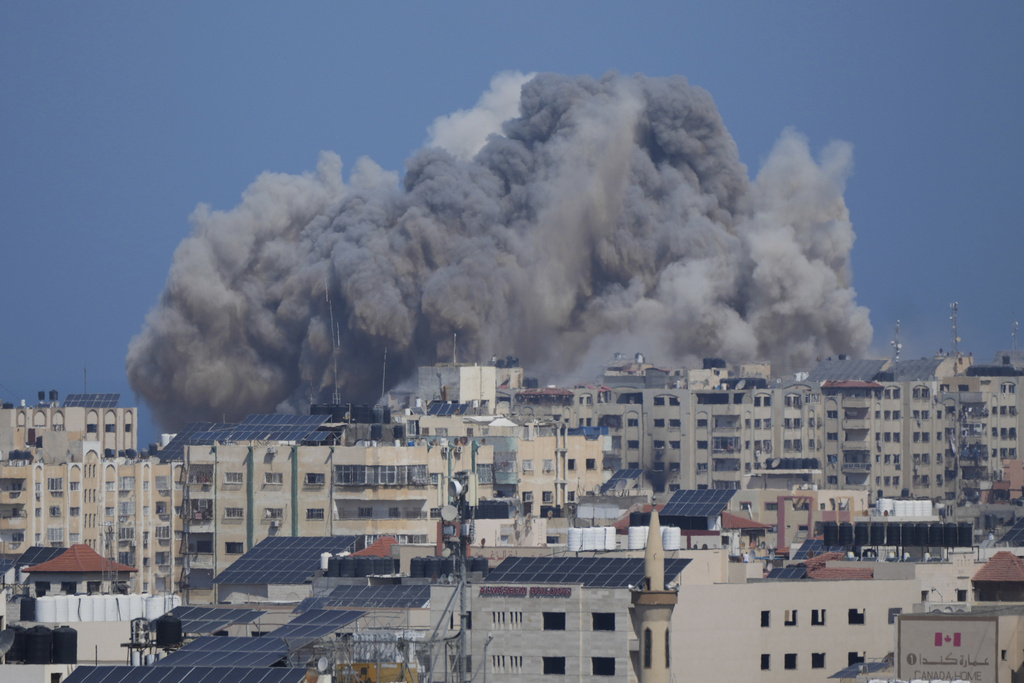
<point x="117" y="119"/>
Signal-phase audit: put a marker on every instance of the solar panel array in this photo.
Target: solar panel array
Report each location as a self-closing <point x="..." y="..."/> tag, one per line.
<point x="38" y="554"/>
<point x="5" y="565"/>
<point x="697" y="503"/>
<point x="444" y="409"/>
<point x="621" y="479"/>
<point x="283" y="559"/>
<point x="794" y="572"/>
<point x="592" y="572"/>
<point x="205" y="620"/>
<point x="91" y="400"/>
<point x="816" y="546"/>
<point x="222" y="651"/>
<point x="313" y="624"/>
<point x="1015" y="536"/>
<point x="175" y="450"/>
<point x="265" y="428"/>
<point x="182" y="674"/>
<point x="371" y="597"/>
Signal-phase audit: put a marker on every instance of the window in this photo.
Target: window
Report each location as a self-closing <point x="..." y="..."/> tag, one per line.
<point x="790" y="619"/>
<point x="591" y="464"/>
<point x="647" y="648"/>
<point x="55" y="534"/>
<point x="817" y="660"/>
<point x="126" y="483"/>
<point x="554" y="666"/>
<point x="55" y="484"/>
<point x="315" y="478"/>
<point x="74" y="512"/>
<point x="603" y="621"/>
<point x="528" y="466"/>
<point x="55" y="511"/>
<point x="127" y="507"/>
<point x="554" y="621"/>
<point x="234" y="513"/>
<point x="273" y="478"/>
<point x="74" y="485"/>
<point x="527" y="496"/>
<point x="602" y="666"/>
<point x="314" y="513"/>
<point x="233" y="548"/>
<point x="232" y="478"/>
<point x="817" y="617"/>
<point x="570" y="464"/>
<point x="365" y="512"/>
<point x="766" y="618"/>
<point x="273" y="513"/>
<point x="896" y="611"/>
<point x="163" y="533"/>
<point x="766" y="662"/>
<point x="547" y="497"/>
<point x="854" y="658"/>
<point x="856" y="616"/>
<point x="790" y="662"/>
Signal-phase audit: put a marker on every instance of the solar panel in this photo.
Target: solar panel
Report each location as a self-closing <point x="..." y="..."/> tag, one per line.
<point x="221" y="651"/>
<point x="38" y="554"/>
<point x="371" y="597"/>
<point x="283" y="559"/>
<point x="91" y="400"/>
<point x="697" y="503"/>
<point x="621" y="479"/>
<point x="592" y="572"/>
<point x="175" y="450"/>
<point x="313" y="624"/>
<point x="1015" y="536"/>
<point x="815" y="546"/>
<point x="205" y="620"/>
<point x="182" y="674"/>
<point x="794" y="572"/>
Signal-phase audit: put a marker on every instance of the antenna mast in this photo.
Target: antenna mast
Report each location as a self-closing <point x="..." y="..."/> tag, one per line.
<point x="383" y="376"/>
<point x="952" y="316"/>
<point x="896" y="345"/>
<point x="1016" y="326"/>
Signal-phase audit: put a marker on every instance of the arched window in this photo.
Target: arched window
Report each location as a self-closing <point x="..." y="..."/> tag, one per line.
<point x="647" y="648"/>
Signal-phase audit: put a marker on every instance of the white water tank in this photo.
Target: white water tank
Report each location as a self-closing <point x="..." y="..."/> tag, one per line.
<point x="175" y="601"/>
<point x="60" y="603"/>
<point x="154" y="607"/>
<point x="73" y="603"/>
<point x="324" y="558"/>
<point x="671" y="538"/>
<point x="886" y="505"/>
<point x="137" y="606"/>
<point x="123" y="611"/>
<point x="575" y="540"/>
<point x="611" y="542"/>
<point x="109" y="606"/>
<point x="87" y="608"/>
<point x="637" y="537"/>
<point x="46" y="610"/>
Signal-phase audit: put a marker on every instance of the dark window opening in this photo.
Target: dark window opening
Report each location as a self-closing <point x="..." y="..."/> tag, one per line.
<point x="817" y="617"/>
<point x="554" y="666"/>
<point x="856" y="616"/>
<point x="790" y="662"/>
<point x="554" y="621"/>
<point x="603" y="621"/>
<point x="602" y="666"/>
<point x="817" y="660"/>
<point x="766" y="662"/>
<point x="766" y="618"/>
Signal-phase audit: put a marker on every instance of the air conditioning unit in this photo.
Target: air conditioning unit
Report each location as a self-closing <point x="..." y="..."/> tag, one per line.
<point x="275" y="524"/>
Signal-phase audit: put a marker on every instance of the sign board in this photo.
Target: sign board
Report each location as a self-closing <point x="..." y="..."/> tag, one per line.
<point x="947" y="648"/>
<point x="525" y="591"/>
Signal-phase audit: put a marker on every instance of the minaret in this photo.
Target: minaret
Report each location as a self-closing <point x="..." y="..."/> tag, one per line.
<point x="653" y="606"/>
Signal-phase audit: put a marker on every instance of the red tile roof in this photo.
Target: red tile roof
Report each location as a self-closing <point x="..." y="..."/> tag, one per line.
<point x="80" y="558"/>
<point x="379" y="548"/>
<point x="816" y="569"/>
<point x="622" y="526"/>
<point x="730" y="520"/>
<point x="1003" y="567"/>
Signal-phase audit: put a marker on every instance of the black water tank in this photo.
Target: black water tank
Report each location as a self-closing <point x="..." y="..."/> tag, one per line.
<point x="38" y="645"/>
<point x="28" y="608"/>
<point x="636" y="519"/>
<point x="877" y="533"/>
<point x="447" y="566"/>
<point x="845" y="534"/>
<point x="349" y="566"/>
<point x="382" y="565"/>
<point x="17" y="651"/>
<point x="964" y="535"/>
<point x="892" y="534"/>
<point x="831" y="532"/>
<point x="861" y="534"/>
<point x="65" y="645"/>
<point x="936" y="537"/>
<point x="909" y="533"/>
<point x="921" y="534"/>
<point x="364" y="566"/>
<point x="479" y="564"/>
<point x="417" y="567"/>
<point x="168" y="631"/>
<point x="949" y="534"/>
<point x="432" y="568"/>
<point x="333" y="566"/>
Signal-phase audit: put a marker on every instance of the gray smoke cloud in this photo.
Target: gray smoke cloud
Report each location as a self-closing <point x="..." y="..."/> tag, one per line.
<point x="561" y="217"/>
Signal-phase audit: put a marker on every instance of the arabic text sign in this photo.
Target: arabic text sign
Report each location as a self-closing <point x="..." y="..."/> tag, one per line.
<point x="948" y="648"/>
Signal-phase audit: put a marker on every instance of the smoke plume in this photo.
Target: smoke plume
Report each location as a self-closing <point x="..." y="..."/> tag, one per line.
<point x="559" y="218"/>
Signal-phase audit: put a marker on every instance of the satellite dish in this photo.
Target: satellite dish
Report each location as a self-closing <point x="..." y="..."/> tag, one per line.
<point x="449" y="512"/>
<point x="742" y="383"/>
<point x="321" y="665"/>
<point x="455" y="488"/>
<point x="6" y="641"/>
<point x="447" y="552"/>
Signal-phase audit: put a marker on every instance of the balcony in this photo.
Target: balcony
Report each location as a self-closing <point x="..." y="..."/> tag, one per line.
<point x="201" y="560"/>
<point x="856" y="424"/>
<point x="856" y="467"/>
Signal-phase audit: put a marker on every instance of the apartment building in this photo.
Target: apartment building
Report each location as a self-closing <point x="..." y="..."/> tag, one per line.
<point x="54" y="431"/>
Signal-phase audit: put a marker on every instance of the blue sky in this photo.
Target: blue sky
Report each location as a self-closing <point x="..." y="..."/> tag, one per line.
<point x="117" y="119"/>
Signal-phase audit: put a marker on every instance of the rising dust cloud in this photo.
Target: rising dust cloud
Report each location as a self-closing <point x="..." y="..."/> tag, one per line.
<point x="559" y="218"/>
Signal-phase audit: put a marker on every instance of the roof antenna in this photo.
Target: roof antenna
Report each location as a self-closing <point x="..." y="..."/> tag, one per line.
<point x="952" y="316"/>
<point x="383" y="376"/>
<point x="1016" y="326"/>
<point x="455" y="348"/>
<point x="335" y="342"/>
<point x="896" y="345"/>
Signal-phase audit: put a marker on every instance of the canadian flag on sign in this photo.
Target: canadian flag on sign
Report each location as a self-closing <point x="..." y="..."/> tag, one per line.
<point x="947" y="639"/>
